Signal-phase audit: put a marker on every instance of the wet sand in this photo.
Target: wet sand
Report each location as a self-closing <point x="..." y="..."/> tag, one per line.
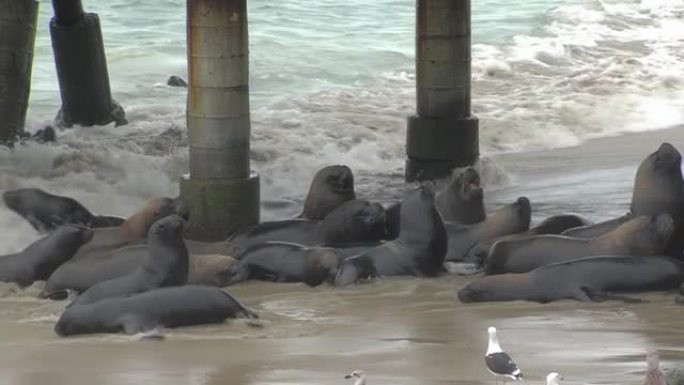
<point x="400" y="331"/>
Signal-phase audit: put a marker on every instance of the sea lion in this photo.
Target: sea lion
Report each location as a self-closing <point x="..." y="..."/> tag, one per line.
<point x="353" y="222"/>
<point x="165" y="265"/>
<point x="418" y="251"/>
<point x="45" y="211"/>
<point x="658" y="189"/>
<point x="552" y="225"/>
<point x="169" y="307"/>
<point x="644" y="235"/>
<point x="510" y="219"/>
<point x="287" y="262"/>
<point x="42" y="257"/>
<point x="330" y="188"/>
<point x="598" y="229"/>
<point x="461" y="201"/>
<point x="80" y="275"/>
<point x="134" y="229"/>
<point x="586" y="279"/>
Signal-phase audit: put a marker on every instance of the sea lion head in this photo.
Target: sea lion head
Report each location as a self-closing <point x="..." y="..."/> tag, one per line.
<point x="73" y="235"/>
<point x="353" y="222"/>
<point x="658" y="185"/>
<point x="492" y="288"/>
<point x="330" y="187"/>
<point x="467" y="186"/>
<point x="167" y="229"/>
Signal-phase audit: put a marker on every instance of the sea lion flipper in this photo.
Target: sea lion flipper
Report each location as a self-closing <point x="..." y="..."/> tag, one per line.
<point x="582" y="294"/>
<point x="602" y="296"/>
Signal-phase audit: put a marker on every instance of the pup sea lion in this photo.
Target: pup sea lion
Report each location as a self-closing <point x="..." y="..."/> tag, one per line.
<point x="644" y="235"/>
<point x="587" y="279"/>
<point x="509" y="219"/>
<point x="45" y="211"/>
<point x="354" y="221"/>
<point x="552" y="225"/>
<point x="461" y="201"/>
<point x="166" y="265"/>
<point x="418" y="251"/>
<point x="330" y="188"/>
<point x="287" y="262"/>
<point x="169" y="307"/>
<point x="41" y="258"/>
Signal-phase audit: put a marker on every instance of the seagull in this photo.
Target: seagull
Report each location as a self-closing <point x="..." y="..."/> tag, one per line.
<point x="359" y="375"/>
<point x="552" y="378"/>
<point x="654" y="376"/>
<point x="499" y="363"/>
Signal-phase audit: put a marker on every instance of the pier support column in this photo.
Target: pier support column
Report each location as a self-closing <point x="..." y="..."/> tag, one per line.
<point x="221" y="191"/>
<point x="81" y="68"/>
<point x="17" y="37"/>
<point x="443" y="134"/>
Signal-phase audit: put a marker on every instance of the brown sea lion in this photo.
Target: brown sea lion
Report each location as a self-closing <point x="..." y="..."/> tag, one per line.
<point x="552" y="225"/>
<point x="134" y="229"/>
<point x="642" y="236"/>
<point x="586" y="279"/>
<point x="509" y="219"/>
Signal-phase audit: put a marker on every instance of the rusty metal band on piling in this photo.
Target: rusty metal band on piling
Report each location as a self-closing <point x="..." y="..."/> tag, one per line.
<point x="218" y="94"/>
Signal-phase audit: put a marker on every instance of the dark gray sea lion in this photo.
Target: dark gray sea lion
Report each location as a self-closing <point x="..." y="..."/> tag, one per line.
<point x="176" y="81"/>
<point x="510" y="219"/>
<point x="330" y="188"/>
<point x="286" y="262"/>
<point x="41" y="258"/>
<point x="587" y="279"/>
<point x="80" y="275"/>
<point x="598" y="229"/>
<point x="169" y="307"/>
<point x="552" y="225"/>
<point x="165" y="265"/>
<point x="658" y="189"/>
<point x="45" y="211"/>
<point x="354" y="221"/>
<point x="642" y="236"/>
<point x="418" y="251"/>
<point x="134" y="229"/>
<point x="461" y="201"/>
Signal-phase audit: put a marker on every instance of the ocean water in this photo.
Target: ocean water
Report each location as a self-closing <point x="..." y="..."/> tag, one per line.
<point x="333" y="83"/>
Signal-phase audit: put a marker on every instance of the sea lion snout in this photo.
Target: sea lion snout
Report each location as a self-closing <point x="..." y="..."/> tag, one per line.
<point x="340" y="178"/>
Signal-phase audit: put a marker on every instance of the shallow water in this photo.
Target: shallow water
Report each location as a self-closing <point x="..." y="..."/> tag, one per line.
<point x="400" y="331"/>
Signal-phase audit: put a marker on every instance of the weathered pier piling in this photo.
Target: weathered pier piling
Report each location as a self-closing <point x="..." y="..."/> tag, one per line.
<point x="81" y="64"/>
<point x="17" y="36"/>
<point x="221" y="191"/>
<point x="443" y="134"/>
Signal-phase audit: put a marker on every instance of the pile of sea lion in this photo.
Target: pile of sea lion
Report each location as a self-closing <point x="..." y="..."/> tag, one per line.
<point x="133" y="274"/>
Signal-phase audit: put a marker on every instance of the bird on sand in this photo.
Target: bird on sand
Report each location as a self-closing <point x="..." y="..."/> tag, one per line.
<point x="359" y="377"/>
<point x="498" y="362"/>
<point x="553" y="378"/>
<point x="654" y="376"/>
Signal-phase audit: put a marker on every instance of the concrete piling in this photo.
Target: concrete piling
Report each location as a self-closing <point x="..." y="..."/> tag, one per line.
<point x="17" y="36"/>
<point x="443" y="134"/>
<point x="79" y="53"/>
<point x="221" y="191"/>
